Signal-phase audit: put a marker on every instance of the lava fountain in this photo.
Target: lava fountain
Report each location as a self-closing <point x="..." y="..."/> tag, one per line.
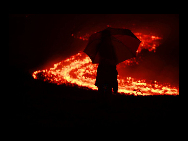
<point x="79" y="70"/>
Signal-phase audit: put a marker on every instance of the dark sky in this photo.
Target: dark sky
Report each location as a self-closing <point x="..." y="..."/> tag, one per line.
<point x="38" y="40"/>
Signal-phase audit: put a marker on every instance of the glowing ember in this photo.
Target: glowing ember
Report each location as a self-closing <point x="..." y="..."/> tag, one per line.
<point x="79" y="70"/>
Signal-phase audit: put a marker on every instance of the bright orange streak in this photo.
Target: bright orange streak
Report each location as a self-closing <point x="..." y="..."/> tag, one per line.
<point x="80" y="71"/>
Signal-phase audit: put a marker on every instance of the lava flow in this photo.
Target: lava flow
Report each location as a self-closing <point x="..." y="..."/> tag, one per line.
<point x="79" y="70"/>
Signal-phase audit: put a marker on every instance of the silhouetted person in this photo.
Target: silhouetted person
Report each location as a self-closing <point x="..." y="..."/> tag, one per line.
<point x="106" y="73"/>
<point x="106" y="78"/>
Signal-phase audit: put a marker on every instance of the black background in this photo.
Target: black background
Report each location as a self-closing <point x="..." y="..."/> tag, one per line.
<point x="37" y="41"/>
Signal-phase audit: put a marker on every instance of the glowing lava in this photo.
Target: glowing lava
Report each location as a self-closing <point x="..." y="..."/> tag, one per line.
<point x="79" y="70"/>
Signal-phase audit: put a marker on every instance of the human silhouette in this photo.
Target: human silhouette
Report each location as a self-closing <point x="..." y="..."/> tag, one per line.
<point x="106" y="78"/>
<point x="106" y="72"/>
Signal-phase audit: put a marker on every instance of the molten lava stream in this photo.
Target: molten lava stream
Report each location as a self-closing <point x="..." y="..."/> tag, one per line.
<point x="82" y="72"/>
<point x="79" y="70"/>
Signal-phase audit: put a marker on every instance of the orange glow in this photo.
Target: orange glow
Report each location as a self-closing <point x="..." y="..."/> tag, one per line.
<point x="79" y="70"/>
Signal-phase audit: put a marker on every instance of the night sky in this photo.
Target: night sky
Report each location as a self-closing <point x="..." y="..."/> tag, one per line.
<point x="38" y="41"/>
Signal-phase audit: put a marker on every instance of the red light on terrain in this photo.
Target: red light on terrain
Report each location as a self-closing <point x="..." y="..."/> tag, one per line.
<point x="79" y="70"/>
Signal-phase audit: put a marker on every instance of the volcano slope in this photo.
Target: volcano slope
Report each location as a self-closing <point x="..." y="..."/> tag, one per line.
<point x="35" y="103"/>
